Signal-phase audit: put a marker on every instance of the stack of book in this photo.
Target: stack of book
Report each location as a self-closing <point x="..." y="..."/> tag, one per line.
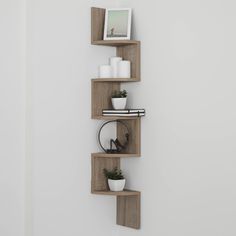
<point x="125" y="112"/>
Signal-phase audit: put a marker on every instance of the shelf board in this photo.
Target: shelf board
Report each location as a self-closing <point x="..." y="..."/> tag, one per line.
<point x="115" y="155"/>
<point x="115" y="43"/>
<point x="126" y="192"/>
<point x="115" y="80"/>
<point x="116" y="117"/>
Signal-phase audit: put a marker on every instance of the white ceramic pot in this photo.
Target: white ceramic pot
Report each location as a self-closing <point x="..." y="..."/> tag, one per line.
<point x="119" y="103"/>
<point x="116" y="185"/>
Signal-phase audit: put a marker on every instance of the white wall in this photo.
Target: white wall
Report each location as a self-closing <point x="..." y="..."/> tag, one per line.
<point x="186" y="173"/>
<point x="62" y="64"/>
<point x="187" y="170"/>
<point x="12" y="117"/>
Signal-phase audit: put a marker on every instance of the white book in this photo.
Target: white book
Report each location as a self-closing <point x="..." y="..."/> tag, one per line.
<point x="120" y="114"/>
<point x="125" y="111"/>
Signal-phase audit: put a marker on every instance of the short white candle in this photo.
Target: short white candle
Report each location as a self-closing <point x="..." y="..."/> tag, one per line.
<point x="114" y="64"/>
<point x="124" y="69"/>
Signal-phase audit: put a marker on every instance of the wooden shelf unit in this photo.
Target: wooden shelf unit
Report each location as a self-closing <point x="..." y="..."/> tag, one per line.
<point x="128" y="201"/>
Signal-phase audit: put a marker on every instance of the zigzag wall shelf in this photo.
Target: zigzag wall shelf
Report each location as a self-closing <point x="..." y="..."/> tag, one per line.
<point x="128" y="201"/>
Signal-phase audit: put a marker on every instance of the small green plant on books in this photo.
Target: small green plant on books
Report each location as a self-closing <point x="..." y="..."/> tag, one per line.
<point x="120" y="94"/>
<point x="114" y="174"/>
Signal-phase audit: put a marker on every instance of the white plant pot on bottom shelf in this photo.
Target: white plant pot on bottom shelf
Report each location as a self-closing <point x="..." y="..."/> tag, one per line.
<point x="119" y="103"/>
<point x="116" y="185"/>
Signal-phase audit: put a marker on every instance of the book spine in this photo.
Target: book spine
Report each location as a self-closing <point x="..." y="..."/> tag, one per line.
<point x="138" y="114"/>
<point x="129" y="111"/>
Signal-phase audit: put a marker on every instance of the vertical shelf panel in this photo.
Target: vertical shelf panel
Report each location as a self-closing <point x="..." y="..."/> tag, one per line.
<point x="128" y="211"/>
<point x="131" y="53"/>
<point x="97" y="23"/>
<point x="134" y="135"/>
<point x="101" y="96"/>
<point x="99" y="182"/>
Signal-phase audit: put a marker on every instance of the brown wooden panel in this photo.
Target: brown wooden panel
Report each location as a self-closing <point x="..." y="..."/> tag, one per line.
<point x="128" y="211"/>
<point x="134" y="135"/>
<point x="115" y="43"/>
<point x="115" y="117"/>
<point x="97" y="23"/>
<point x="131" y="53"/>
<point x="115" y="80"/>
<point x="99" y="182"/>
<point x="101" y="96"/>
<point x="125" y="192"/>
<point x="113" y="155"/>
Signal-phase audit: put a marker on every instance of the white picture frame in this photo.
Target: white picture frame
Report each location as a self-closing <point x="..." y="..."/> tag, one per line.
<point x="117" y="24"/>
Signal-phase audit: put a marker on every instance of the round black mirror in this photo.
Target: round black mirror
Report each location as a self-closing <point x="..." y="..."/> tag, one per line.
<point x="113" y="144"/>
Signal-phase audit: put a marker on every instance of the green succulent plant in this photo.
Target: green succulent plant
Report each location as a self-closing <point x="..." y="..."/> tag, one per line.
<point x="119" y="94"/>
<point x="114" y="174"/>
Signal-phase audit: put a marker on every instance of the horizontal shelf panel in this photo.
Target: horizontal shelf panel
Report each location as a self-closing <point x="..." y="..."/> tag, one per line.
<point x="115" y="155"/>
<point x="120" y="193"/>
<point x="116" y="117"/>
<point x="115" y="80"/>
<point x="115" y="42"/>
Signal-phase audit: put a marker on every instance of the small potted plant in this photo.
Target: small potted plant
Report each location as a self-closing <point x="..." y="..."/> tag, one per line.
<point x="116" y="180"/>
<point x="119" y="99"/>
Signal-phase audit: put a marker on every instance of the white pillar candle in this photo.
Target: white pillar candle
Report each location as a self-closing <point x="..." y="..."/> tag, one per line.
<point x="105" y="71"/>
<point x="124" y="69"/>
<point x="114" y="64"/>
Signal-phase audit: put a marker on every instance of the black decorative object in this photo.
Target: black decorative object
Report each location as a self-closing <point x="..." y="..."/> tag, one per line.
<point x="119" y="147"/>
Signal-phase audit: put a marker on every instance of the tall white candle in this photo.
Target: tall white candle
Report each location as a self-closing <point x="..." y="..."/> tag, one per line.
<point x="124" y="69"/>
<point x="114" y="64"/>
<point x="105" y="71"/>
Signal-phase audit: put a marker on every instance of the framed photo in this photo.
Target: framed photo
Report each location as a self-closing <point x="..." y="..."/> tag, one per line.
<point x="117" y="24"/>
